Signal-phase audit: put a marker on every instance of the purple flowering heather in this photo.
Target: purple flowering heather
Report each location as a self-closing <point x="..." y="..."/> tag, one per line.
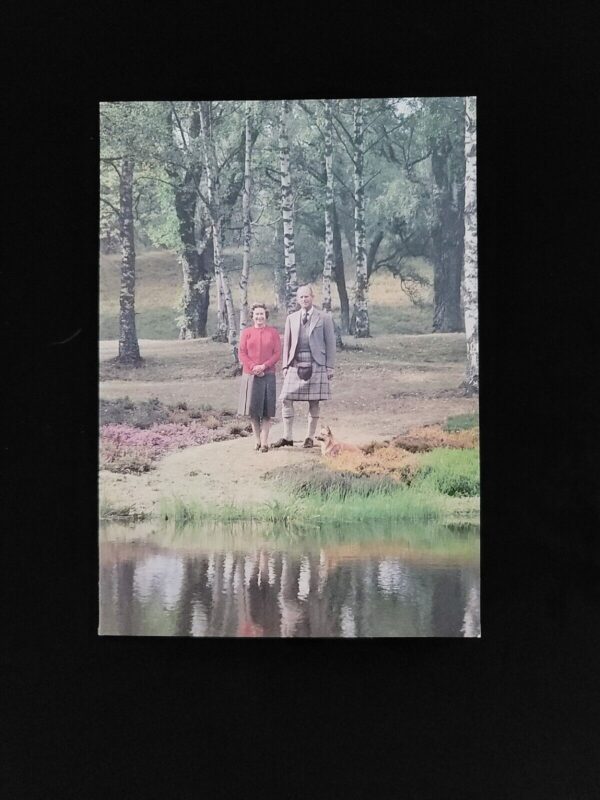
<point x="124" y="448"/>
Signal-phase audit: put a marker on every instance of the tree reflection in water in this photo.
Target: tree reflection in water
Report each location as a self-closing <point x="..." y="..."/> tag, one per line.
<point x="265" y="592"/>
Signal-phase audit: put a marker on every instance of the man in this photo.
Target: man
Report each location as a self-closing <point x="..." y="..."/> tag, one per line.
<point x="308" y="359"/>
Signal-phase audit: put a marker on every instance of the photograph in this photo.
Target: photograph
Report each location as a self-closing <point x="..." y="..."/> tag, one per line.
<point x="289" y="368"/>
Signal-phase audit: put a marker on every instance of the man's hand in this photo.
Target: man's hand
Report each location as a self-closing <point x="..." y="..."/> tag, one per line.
<point x="330" y="374"/>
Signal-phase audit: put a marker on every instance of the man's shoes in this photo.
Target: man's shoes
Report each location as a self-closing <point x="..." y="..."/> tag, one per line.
<point x="308" y="442"/>
<point x="283" y="443"/>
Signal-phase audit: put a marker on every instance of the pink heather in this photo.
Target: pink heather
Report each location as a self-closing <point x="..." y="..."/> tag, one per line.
<point x="125" y="440"/>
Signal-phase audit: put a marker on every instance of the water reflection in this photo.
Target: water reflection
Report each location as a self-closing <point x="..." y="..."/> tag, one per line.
<point x="259" y="588"/>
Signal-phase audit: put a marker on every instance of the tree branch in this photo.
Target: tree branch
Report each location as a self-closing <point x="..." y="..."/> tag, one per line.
<point x="312" y="115"/>
<point x="371" y="179"/>
<point x="385" y="135"/>
<point x="270" y="169"/>
<point x="108" y="203"/>
<point x="156" y="180"/>
<point x="186" y="148"/>
<point x="338" y="119"/>
<point x="114" y="166"/>
<point x="350" y="155"/>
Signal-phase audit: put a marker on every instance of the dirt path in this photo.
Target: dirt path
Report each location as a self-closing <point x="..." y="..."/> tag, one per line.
<point x="395" y="382"/>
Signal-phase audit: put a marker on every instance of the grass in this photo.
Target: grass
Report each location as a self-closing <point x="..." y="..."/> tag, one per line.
<point x="450" y="472"/>
<point x="158" y="287"/>
<point x="462" y="422"/>
<point x="151" y="323"/>
<point x="321" y="482"/>
<point x="404" y="319"/>
<point x="442" y="484"/>
<point x="183" y="513"/>
<point x="316" y="510"/>
<point x="108" y="510"/>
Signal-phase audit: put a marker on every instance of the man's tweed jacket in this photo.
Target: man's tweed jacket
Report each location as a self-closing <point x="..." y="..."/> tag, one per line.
<point x="321" y="338"/>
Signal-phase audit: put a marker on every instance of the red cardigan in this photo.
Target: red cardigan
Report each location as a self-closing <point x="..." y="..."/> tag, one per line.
<point x="259" y="346"/>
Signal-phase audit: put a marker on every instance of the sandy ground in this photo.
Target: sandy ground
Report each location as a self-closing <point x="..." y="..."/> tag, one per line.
<point x="392" y="384"/>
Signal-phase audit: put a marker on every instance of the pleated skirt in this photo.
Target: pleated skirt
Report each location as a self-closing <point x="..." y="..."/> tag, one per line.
<point x="257" y="396"/>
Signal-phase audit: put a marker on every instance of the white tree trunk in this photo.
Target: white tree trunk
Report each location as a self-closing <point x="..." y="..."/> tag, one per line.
<point x="247" y="223"/>
<point x="361" y="313"/>
<point x="232" y="337"/>
<point x="129" y="351"/>
<point x="291" y="280"/>
<point x="221" y="307"/>
<point x="215" y="213"/>
<point x="328" y="265"/>
<point x="470" y="295"/>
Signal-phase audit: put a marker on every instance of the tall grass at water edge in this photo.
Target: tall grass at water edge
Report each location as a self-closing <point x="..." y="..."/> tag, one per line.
<point x="446" y="485"/>
<point x="314" y="510"/>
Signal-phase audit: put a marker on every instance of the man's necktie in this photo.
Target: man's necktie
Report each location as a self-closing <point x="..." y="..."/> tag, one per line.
<point x="305" y="318"/>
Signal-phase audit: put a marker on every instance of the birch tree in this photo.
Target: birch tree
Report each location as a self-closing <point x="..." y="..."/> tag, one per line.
<point x="129" y="351"/>
<point x="287" y="199"/>
<point x="183" y="164"/>
<point x="329" y="262"/>
<point x="361" y="325"/>
<point x="247" y="225"/>
<point x="213" y="204"/>
<point x="120" y="140"/>
<point x="325" y="176"/>
<point x="470" y="294"/>
<point x="328" y="265"/>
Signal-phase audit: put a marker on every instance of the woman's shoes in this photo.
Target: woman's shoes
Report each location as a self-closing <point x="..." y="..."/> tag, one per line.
<point x="257" y="446"/>
<point x="264" y="449"/>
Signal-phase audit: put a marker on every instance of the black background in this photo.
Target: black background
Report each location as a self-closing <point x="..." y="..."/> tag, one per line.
<point x="513" y="714"/>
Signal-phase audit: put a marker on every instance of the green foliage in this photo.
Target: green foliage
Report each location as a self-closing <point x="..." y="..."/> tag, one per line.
<point x="448" y="471"/>
<point x="325" y="483"/>
<point x="462" y="422"/>
<point x="182" y="513"/>
<point x="164" y="140"/>
<point x="314" y="509"/>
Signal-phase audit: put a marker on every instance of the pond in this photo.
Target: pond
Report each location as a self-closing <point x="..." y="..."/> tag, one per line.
<point x="251" y="580"/>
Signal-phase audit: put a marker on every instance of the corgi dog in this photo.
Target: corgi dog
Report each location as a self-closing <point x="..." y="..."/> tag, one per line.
<point x="330" y="447"/>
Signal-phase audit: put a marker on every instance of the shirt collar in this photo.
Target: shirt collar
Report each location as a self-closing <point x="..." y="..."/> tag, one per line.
<point x="312" y="308"/>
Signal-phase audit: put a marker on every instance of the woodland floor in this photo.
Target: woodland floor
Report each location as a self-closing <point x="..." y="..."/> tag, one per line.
<point x="393" y="383"/>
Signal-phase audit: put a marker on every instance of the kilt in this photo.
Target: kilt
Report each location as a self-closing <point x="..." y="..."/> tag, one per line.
<point x="257" y="395"/>
<point x="316" y="388"/>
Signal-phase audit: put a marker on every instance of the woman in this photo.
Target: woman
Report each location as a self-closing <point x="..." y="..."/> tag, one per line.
<point x="259" y="351"/>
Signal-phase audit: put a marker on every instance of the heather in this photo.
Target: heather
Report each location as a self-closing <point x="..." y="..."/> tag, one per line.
<point x="431" y="456"/>
<point x="133" y="436"/>
<point x="145" y="413"/>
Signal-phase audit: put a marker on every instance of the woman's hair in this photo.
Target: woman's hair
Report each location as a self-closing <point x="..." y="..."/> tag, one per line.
<point x="260" y="305"/>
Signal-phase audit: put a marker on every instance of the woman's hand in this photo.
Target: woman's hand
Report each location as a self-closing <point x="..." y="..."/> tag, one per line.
<point x="258" y="369"/>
